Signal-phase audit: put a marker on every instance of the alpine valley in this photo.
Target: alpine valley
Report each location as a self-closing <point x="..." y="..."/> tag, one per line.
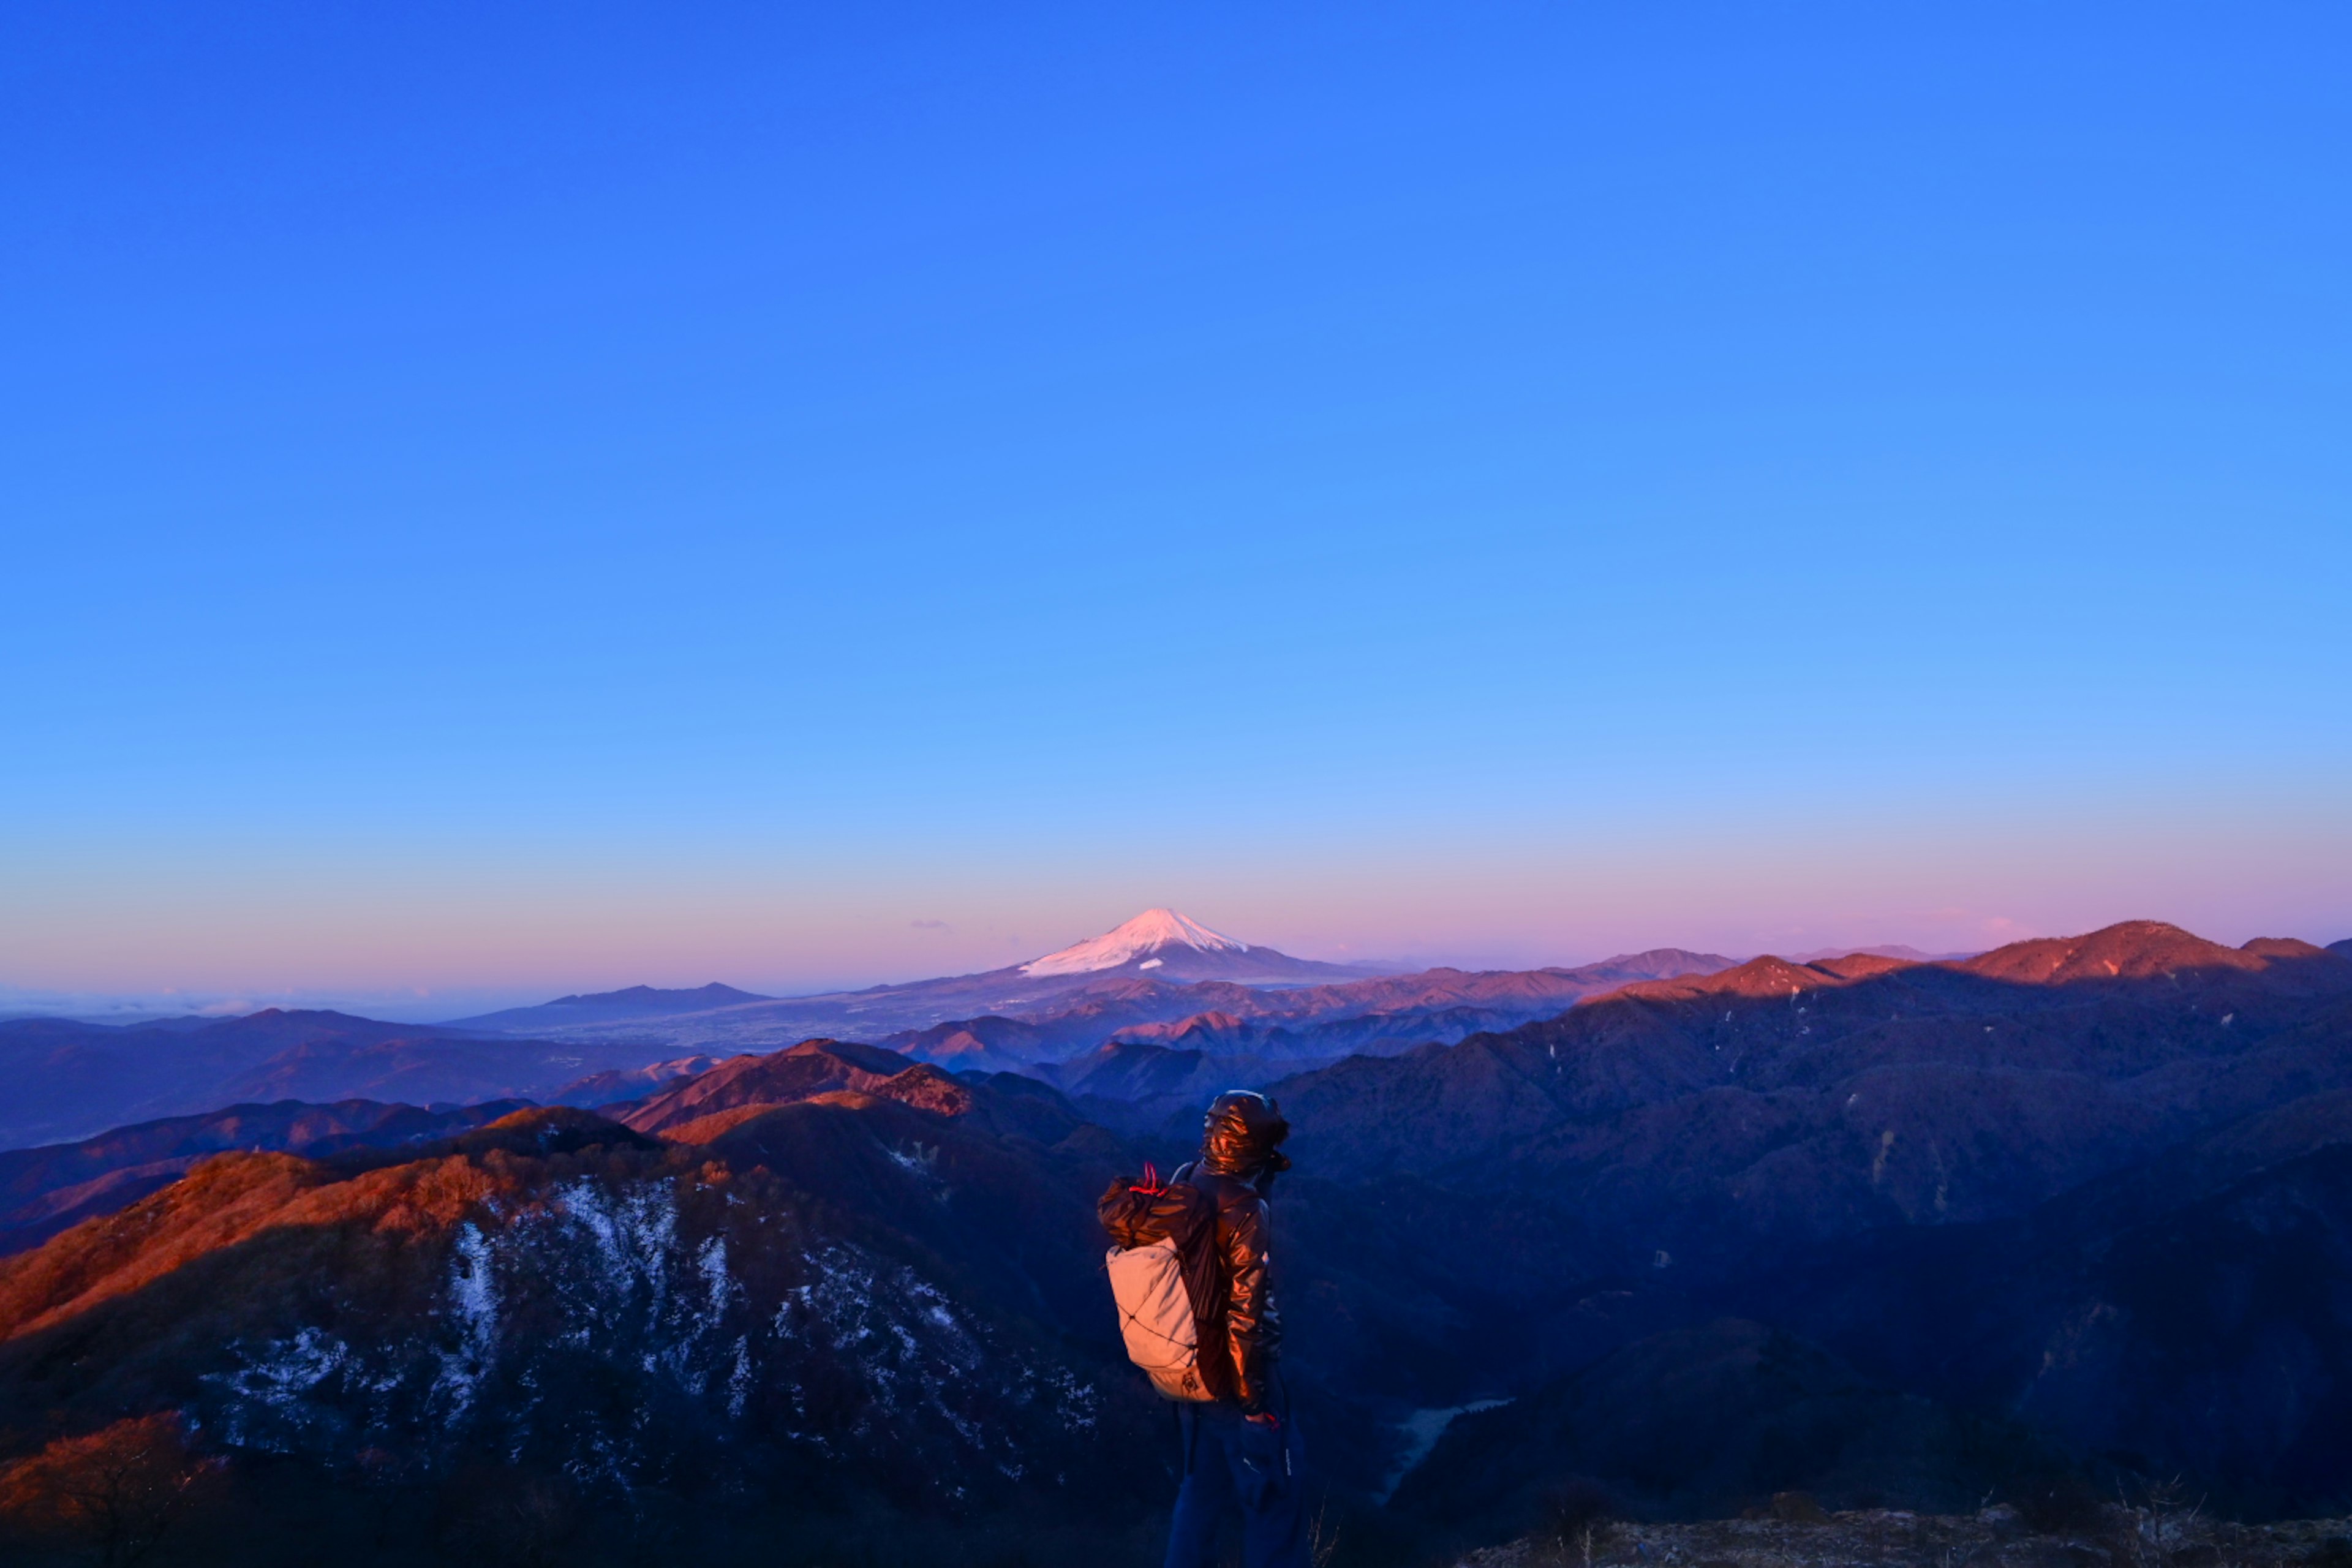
<point x="709" y="1276"/>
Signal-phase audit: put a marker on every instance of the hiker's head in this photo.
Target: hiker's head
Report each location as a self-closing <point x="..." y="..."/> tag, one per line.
<point x="1243" y="1136"/>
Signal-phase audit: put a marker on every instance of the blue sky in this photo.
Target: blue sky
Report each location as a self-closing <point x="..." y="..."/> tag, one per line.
<point x="504" y="498"/>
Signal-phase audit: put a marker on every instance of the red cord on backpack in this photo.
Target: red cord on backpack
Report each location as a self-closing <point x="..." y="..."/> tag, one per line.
<point x="1151" y="1187"/>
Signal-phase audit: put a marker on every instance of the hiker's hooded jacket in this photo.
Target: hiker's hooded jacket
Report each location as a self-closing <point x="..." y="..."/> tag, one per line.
<point x="1216" y="1209"/>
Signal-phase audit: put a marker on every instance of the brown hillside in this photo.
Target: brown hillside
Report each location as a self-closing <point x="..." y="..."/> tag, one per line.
<point x="848" y="1300"/>
<point x="2132" y="950"/>
<point x="811" y="1068"/>
<point x="221" y="1203"/>
<point x="1763" y="978"/>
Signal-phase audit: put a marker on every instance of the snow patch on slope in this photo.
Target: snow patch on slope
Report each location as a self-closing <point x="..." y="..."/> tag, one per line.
<point x="1147" y="933"/>
<point x="595" y="1326"/>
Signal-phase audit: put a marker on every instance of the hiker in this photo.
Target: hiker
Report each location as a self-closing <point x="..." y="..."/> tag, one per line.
<point x="1197" y="1310"/>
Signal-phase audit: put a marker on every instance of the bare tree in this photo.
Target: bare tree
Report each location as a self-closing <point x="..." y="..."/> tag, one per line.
<point x="112" y="1493"/>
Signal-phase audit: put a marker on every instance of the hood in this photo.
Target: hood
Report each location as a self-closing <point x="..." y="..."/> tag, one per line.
<point x="1243" y="1135"/>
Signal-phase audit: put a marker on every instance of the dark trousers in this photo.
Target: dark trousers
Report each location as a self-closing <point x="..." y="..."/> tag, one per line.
<point x="1229" y="1461"/>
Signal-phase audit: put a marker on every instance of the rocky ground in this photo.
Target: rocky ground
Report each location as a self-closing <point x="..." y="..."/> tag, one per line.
<point x="2160" y="1534"/>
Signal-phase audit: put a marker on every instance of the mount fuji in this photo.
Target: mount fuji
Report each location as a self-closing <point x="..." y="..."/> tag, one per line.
<point x="1151" y="932"/>
<point x="1170" y="946"/>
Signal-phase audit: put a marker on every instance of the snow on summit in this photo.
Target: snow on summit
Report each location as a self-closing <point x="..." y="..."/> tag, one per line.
<point x="1147" y="933"/>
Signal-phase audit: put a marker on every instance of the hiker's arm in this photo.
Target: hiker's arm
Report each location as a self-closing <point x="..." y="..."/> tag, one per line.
<point x="1246" y="1237"/>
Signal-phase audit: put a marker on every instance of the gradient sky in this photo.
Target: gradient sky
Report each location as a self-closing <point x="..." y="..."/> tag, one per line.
<point x="503" y="499"/>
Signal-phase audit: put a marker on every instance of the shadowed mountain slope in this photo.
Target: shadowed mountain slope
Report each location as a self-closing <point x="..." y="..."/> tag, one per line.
<point x="2180" y="1320"/>
<point x="1701" y="1422"/>
<point x="987" y="1043"/>
<point x="1853" y="1091"/>
<point x="1147" y="1090"/>
<point x="615" y="1085"/>
<point x="2185" y="1310"/>
<point x="2086" y="1187"/>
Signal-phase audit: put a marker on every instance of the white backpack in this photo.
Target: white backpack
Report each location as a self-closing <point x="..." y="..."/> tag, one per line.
<point x="1155" y="1317"/>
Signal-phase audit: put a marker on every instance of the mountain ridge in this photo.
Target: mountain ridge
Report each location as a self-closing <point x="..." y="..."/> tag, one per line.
<point x="43" y="1191"/>
<point x="1131" y="974"/>
<point x="604" y="1007"/>
<point x="73" y="1081"/>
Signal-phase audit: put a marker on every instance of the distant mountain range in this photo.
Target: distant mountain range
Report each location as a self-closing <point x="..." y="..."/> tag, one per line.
<point x="1888" y="950"/>
<point x="1381" y="1016"/>
<point x="1159" y="969"/>
<point x="1156" y="954"/>
<point x="68" y="1079"/>
<point x="609" y="1007"/>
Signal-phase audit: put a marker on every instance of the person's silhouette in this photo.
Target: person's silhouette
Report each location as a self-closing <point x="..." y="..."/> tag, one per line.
<point x="1241" y="1447"/>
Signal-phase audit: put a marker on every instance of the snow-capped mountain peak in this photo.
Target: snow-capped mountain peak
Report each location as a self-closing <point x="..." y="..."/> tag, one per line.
<point x="1147" y="933"/>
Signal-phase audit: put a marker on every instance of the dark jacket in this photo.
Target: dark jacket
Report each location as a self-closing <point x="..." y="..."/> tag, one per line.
<point x="1241" y="1153"/>
<point x="1251" y="1331"/>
